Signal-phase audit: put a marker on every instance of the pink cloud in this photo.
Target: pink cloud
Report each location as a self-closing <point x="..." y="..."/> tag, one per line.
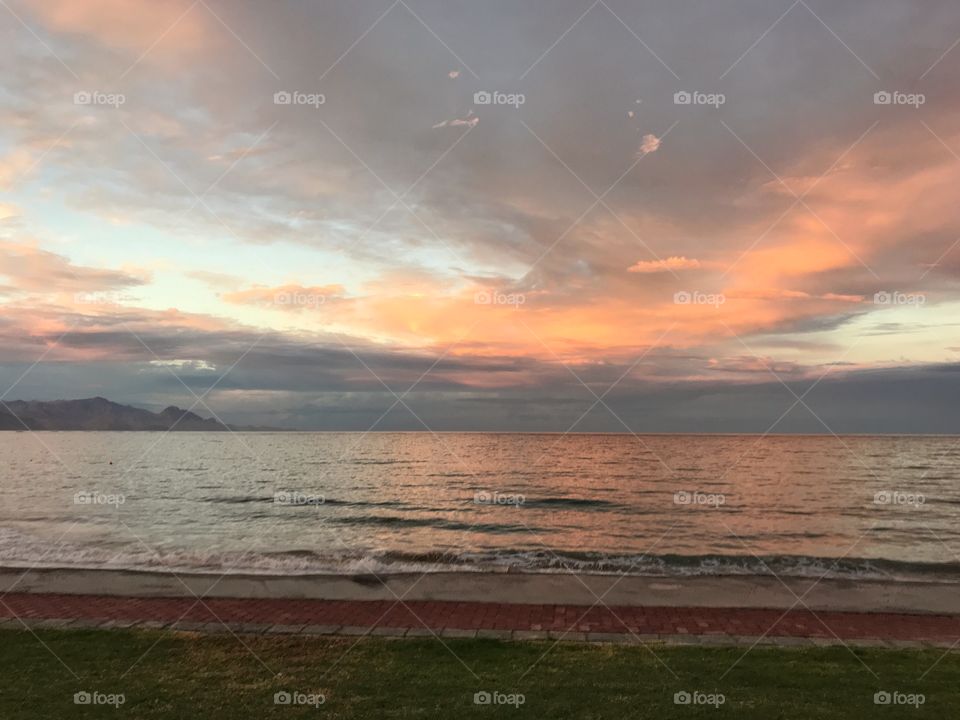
<point x="29" y="268"/>
<point x="671" y="264"/>
<point x="133" y="25"/>
<point x="649" y="144"/>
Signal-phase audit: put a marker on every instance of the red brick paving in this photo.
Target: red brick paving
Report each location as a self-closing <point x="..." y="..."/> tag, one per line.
<point x="495" y="616"/>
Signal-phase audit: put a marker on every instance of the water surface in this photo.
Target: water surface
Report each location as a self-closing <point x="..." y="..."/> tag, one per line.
<point x="391" y="502"/>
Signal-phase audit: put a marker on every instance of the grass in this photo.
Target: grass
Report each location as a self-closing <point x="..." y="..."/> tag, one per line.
<point x="178" y="675"/>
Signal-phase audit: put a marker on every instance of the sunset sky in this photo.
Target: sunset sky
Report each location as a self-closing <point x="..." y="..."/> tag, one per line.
<point x="169" y="223"/>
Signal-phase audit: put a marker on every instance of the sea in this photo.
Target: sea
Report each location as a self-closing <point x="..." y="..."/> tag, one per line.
<point x="293" y="503"/>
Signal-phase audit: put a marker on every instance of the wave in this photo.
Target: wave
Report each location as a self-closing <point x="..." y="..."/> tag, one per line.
<point x="269" y="500"/>
<point x="24" y="551"/>
<point x="717" y="565"/>
<point x="395" y="521"/>
<point x="529" y="502"/>
<point x="570" y="502"/>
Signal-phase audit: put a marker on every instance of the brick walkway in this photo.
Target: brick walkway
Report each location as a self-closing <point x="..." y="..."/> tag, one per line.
<point x="454" y="619"/>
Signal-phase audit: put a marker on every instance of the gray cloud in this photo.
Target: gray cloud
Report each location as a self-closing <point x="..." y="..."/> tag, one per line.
<point x="494" y="204"/>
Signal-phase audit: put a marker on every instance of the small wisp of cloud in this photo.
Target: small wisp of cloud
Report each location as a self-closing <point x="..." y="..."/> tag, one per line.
<point x="648" y="144"/>
<point x="470" y="121"/>
<point x="669" y="264"/>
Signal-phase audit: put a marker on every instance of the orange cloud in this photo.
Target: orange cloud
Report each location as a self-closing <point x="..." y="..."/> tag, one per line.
<point x="811" y="250"/>
<point x="31" y="269"/>
<point x="128" y="24"/>
<point x="671" y="263"/>
<point x="13" y="166"/>
<point x="784" y="294"/>
<point x="648" y="144"/>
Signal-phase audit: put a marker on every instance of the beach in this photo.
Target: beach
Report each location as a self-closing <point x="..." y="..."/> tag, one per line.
<point x="866" y="596"/>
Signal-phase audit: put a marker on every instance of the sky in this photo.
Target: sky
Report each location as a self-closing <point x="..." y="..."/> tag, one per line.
<point x="699" y="216"/>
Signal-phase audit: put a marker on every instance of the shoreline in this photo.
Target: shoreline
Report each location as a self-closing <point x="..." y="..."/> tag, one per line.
<point x="750" y="592"/>
<point x="301" y="431"/>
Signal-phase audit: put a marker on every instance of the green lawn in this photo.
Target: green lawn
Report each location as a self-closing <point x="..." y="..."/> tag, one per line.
<point x="188" y="676"/>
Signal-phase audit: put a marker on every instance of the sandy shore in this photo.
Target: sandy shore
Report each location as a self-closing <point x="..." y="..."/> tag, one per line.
<point x="719" y="592"/>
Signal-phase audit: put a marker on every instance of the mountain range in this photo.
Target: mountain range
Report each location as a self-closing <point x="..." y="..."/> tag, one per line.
<point x="101" y="414"/>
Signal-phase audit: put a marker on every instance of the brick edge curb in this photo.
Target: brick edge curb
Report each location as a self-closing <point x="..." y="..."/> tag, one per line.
<point x="352" y="631"/>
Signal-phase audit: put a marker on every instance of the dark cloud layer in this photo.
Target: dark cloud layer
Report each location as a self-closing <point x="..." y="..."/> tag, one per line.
<point x="351" y="385"/>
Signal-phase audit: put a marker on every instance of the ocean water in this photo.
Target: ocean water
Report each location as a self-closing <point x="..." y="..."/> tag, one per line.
<point x="298" y="503"/>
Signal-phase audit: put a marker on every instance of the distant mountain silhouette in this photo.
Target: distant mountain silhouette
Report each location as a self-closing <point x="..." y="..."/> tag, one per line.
<point x="100" y="414"/>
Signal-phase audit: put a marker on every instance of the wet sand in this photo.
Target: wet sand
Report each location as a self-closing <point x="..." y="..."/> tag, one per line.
<point x="717" y="592"/>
